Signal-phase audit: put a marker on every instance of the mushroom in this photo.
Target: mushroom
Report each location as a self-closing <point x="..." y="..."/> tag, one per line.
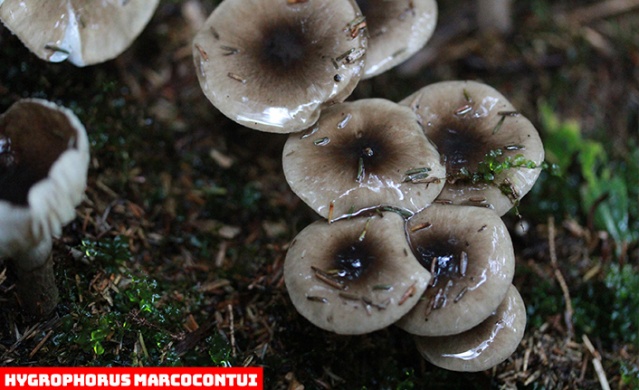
<point x="85" y="33"/>
<point x="470" y="256"/>
<point x="363" y="154"/>
<point x="483" y="346"/>
<point x="491" y="152"/>
<point x="354" y="276"/>
<point x="44" y="156"/>
<point x="397" y="30"/>
<point x="272" y="65"/>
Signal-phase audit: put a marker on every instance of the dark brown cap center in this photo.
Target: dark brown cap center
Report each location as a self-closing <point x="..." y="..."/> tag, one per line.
<point x="446" y="256"/>
<point x="367" y="153"/>
<point x="460" y="147"/>
<point x="284" y="47"/>
<point x="352" y="261"/>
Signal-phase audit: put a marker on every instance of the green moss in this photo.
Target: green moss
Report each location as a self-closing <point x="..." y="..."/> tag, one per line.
<point x="589" y="183"/>
<point x="609" y="309"/>
<point x="629" y="375"/>
<point x="132" y="322"/>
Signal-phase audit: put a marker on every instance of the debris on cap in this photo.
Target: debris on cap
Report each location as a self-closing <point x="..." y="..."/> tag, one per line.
<point x="354" y="276"/>
<point x="397" y="30"/>
<point x="492" y="153"/>
<point x="483" y="346"/>
<point x="470" y="256"/>
<point x="363" y="154"/>
<point x="85" y="33"/>
<point x="272" y="65"/>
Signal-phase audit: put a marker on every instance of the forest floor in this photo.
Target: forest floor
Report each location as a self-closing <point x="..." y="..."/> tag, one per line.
<point x="176" y="254"/>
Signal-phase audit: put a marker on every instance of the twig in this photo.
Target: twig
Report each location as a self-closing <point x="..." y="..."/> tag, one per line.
<point x="232" y="330"/>
<point x="559" y="276"/>
<point x="596" y="363"/>
<point x="40" y="344"/>
<point x="601" y="10"/>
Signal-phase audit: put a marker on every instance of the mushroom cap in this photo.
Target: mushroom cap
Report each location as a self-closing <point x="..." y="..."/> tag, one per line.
<point x="397" y="30"/>
<point x="470" y="256"/>
<point x="363" y="154"/>
<point x="467" y="121"/>
<point x="483" y="346"/>
<point x="44" y="157"/>
<point x="271" y="65"/>
<point x="354" y="276"/>
<point x="85" y="33"/>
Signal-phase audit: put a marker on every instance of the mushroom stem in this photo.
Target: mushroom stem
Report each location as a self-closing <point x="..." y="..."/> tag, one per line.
<point x="36" y="286"/>
<point x="494" y="16"/>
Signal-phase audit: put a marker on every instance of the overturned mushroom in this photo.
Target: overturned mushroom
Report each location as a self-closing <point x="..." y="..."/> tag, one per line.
<point x="470" y="256"/>
<point x="397" y="30"/>
<point x="44" y="156"/>
<point x="85" y="33"/>
<point x="271" y="65"/>
<point x="363" y="154"/>
<point x="483" y="346"/>
<point x="491" y="152"/>
<point x="354" y="276"/>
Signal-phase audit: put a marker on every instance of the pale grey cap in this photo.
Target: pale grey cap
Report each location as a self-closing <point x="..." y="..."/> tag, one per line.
<point x="470" y="256"/>
<point x="483" y="346"/>
<point x="44" y="157"/>
<point x="467" y="120"/>
<point x="397" y="30"/>
<point x="272" y="65"/>
<point x="354" y="276"/>
<point x="362" y="154"/>
<point x="85" y="33"/>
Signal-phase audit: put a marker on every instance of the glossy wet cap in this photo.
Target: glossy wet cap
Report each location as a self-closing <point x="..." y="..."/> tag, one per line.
<point x="271" y="65"/>
<point x="472" y="124"/>
<point x="362" y="154"/>
<point x="44" y="156"/>
<point x="85" y="33"/>
<point x="470" y="256"/>
<point x="354" y="276"/>
<point x="484" y="346"/>
<point x="397" y="30"/>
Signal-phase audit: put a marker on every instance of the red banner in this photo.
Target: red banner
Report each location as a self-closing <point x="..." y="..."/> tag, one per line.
<point x="132" y="378"/>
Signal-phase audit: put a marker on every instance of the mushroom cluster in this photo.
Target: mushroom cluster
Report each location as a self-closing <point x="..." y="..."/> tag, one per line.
<point x="44" y="159"/>
<point x="410" y="193"/>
